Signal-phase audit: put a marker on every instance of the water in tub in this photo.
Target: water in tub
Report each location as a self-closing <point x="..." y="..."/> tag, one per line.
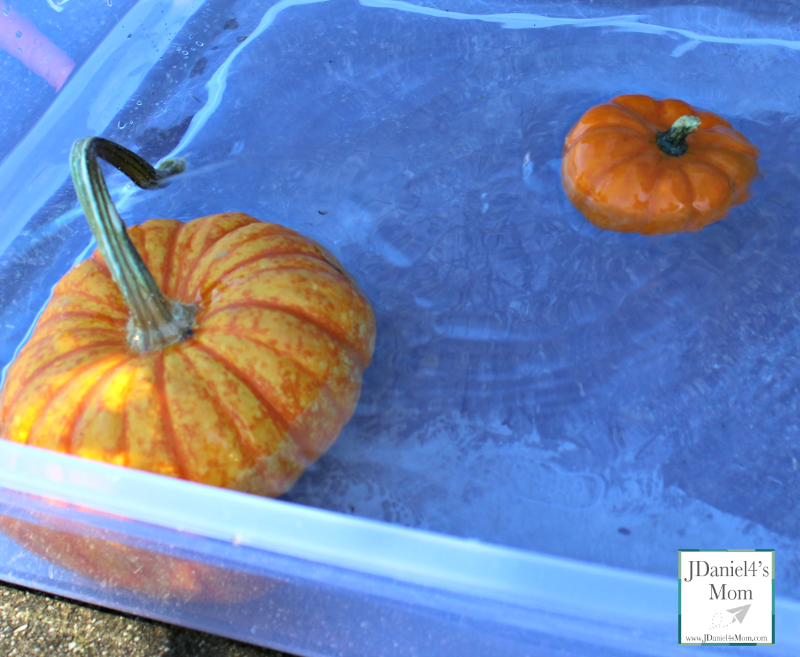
<point x="537" y="382"/>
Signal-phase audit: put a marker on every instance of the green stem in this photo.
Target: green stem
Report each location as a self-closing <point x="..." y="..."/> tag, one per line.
<point x="155" y="321"/>
<point x="673" y="141"/>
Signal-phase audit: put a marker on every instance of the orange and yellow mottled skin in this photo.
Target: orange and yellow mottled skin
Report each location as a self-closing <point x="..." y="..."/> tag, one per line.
<point x="263" y="386"/>
<point x="615" y="174"/>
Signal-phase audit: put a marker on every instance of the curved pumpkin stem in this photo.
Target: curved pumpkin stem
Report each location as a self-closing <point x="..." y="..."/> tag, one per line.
<point x="673" y="141"/>
<point x="155" y="321"/>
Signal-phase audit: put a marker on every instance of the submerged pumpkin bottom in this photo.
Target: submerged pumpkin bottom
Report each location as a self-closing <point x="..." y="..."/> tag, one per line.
<point x="107" y="556"/>
<point x="262" y="386"/>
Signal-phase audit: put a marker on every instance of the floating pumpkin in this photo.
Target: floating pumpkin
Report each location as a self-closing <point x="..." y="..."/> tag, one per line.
<point x="639" y="165"/>
<point x="224" y="350"/>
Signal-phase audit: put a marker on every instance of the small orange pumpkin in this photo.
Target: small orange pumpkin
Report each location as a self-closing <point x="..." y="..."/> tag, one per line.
<point x="639" y="165"/>
<point x="241" y="373"/>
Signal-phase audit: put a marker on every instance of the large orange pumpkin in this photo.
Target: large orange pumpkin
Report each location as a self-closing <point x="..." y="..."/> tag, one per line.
<point x="639" y="165"/>
<point x="256" y="386"/>
<point x="224" y="351"/>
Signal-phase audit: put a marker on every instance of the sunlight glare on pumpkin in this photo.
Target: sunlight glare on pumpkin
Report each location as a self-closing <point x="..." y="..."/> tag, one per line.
<point x="21" y="429"/>
<point x="118" y="388"/>
<point x="101" y="455"/>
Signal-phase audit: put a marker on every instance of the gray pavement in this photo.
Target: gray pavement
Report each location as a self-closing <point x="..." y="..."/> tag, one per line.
<point x="38" y="624"/>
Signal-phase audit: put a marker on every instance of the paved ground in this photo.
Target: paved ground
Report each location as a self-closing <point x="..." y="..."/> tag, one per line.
<point x="33" y="623"/>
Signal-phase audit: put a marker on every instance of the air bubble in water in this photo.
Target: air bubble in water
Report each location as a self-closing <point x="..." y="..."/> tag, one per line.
<point x="109" y="2"/>
<point x="121" y="125"/>
<point x="138" y="102"/>
<point x="198" y="43"/>
<point x="130" y="122"/>
<point x="185" y="52"/>
<point x="19" y="35"/>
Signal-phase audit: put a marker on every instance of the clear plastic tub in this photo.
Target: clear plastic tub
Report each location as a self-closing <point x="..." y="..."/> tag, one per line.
<point x="552" y="412"/>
